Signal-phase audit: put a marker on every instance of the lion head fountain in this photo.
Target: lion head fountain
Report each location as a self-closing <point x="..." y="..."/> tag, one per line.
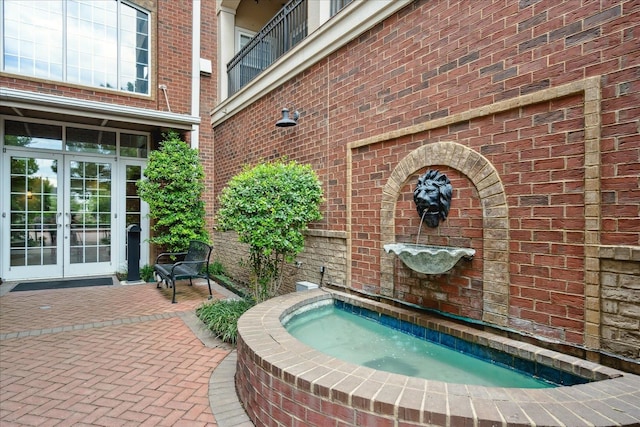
<point x="432" y="197"/>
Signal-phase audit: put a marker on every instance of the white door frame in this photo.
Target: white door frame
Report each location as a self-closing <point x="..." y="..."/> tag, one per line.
<point x="37" y="234"/>
<point x="63" y="268"/>
<point x="120" y="237"/>
<point x="118" y="260"/>
<point x="87" y="243"/>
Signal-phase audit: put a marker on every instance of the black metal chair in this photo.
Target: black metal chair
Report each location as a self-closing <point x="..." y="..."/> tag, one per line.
<point x="195" y="264"/>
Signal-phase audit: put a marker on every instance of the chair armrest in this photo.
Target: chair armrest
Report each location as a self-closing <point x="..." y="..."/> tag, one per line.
<point x="164" y="254"/>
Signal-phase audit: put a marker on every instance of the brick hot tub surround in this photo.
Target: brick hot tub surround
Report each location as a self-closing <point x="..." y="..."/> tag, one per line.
<point x="284" y="382"/>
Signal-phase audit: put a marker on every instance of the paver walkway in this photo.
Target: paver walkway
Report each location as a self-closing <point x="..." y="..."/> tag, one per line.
<point x="108" y="356"/>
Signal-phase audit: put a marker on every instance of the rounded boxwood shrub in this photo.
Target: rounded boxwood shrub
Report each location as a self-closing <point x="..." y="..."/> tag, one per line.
<point x="270" y="206"/>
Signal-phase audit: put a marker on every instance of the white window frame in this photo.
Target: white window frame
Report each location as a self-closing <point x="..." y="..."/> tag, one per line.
<point x="65" y="51"/>
<point x="242" y="32"/>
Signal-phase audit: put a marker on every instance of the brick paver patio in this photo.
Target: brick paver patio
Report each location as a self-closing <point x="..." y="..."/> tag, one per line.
<point x="107" y="356"/>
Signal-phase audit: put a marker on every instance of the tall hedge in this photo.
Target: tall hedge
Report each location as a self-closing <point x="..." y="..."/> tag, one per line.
<point x="172" y="185"/>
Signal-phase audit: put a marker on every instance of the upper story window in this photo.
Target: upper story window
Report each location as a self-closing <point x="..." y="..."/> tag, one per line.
<point x="86" y="42"/>
<point x="244" y="38"/>
<point x="337" y="5"/>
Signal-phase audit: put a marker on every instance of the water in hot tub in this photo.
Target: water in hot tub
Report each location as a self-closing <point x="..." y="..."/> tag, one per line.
<point x="361" y="341"/>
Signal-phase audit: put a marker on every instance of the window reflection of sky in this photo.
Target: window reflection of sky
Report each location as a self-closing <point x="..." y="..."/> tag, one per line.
<point x="92" y="43"/>
<point x="45" y="143"/>
<point x="45" y="170"/>
<point x="33" y="42"/>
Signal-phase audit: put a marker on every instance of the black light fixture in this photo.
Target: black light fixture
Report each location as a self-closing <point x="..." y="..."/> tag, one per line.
<point x="287" y="121"/>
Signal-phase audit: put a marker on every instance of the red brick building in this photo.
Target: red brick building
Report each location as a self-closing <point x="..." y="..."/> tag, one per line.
<point x="86" y="90"/>
<point x="530" y="109"/>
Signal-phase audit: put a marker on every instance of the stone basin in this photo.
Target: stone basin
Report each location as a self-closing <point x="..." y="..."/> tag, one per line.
<point x="429" y="259"/>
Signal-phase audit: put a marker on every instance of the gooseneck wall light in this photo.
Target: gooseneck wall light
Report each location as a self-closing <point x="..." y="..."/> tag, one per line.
<point x="287" y="121"/>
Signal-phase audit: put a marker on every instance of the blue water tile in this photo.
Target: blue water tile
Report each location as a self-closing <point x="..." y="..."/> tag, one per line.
<point x="524" y="365"/>
<point x="448" y="340"/>
<point x="418" y="331"/>
<point x="392" y="322"/>
<point x="464" y="346"/>
<point x="501" y="358"/>
<point x="432" y="335"/>
<point x="548" y="373"/>
<point x="406" y="327"/>
<point x="481" y="352"/>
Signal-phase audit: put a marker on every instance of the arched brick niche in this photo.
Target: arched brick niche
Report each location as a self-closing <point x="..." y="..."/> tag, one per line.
<point x="495" y="219"/>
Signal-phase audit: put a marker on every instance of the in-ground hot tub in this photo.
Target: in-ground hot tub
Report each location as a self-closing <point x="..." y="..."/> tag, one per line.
<point x="284" y="382"/>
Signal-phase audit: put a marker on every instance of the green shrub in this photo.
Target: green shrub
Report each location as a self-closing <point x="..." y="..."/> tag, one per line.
<point x="217" y="269"/>
<point x="173" y="184"/>
<point x="269" y="206"/>
<point x="221" y="317"/>
<point x="146" y="273"/>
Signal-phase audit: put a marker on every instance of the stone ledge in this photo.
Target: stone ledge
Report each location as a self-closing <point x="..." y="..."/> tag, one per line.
<point x="620" y="252"/>
<point x="330" y="234"/>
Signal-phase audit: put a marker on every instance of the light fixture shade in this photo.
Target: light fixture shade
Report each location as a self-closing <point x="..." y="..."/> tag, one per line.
<point x="287" y="121"/>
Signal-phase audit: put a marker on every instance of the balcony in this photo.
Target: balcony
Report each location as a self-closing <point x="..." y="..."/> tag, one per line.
<point x="284" y="31"/>
<point x="273" y="53"/>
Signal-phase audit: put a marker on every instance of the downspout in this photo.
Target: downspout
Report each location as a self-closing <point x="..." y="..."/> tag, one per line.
<point x="195" y="72"/>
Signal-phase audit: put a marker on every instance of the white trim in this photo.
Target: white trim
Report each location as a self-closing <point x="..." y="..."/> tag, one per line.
<point x="349" y="23"/>
<point x="79" y="107"/>
<point x="121" y="263"/>
<point x="195" y="72"/>
<point x="119" y="213"/>
<point x="238" y="38"/>
<point x="226" y="47"/>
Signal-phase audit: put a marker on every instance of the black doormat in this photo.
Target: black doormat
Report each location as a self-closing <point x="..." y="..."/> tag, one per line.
<point x="62" y="284"/>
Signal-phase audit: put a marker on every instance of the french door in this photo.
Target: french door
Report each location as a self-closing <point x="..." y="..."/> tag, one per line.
<point x="59" y="215"/>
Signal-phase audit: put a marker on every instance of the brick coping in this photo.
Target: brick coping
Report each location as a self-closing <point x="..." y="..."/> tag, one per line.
<point x="278" y="377"/>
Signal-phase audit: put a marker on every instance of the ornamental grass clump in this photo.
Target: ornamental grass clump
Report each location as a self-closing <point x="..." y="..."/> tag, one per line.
<point x="221" y="317"/>
<point x="269" y="206"/>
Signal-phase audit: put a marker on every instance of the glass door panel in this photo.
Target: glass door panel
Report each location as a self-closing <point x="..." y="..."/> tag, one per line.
<point x="89" y="216"/>
<point x="135" y="210"/>
<point x="60" y="216"/>
<point x="34" y="217"/>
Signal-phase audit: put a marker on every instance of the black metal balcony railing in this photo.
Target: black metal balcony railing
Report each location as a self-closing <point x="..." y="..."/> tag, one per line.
<point x="282" y="32"/>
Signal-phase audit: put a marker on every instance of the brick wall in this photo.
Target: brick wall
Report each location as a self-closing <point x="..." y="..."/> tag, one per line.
<point x="322" y="249"/>
<point x="174" y="54"/>
<point x="567" y="161"/>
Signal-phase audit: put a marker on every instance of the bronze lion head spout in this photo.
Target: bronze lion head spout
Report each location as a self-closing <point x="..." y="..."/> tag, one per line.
<point x="432" y="197"/>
